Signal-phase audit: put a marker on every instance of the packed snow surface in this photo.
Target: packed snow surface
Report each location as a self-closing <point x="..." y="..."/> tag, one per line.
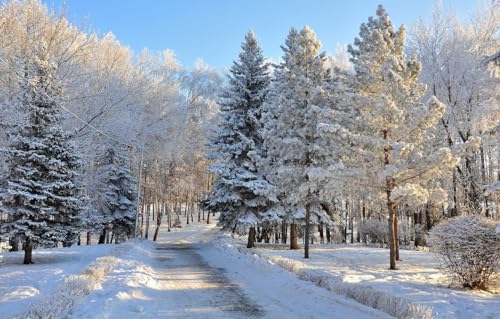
<point x="188" y="274"/>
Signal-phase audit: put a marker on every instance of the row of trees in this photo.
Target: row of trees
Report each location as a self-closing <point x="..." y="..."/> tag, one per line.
<point x="84" y="123"/>
<point x="302" y="143"/>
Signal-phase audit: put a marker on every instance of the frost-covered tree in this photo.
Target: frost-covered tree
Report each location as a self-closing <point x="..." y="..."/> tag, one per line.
<point x="292" y="138"/>
<point x="240" y="192"/>
<point x="42" y="197"/>
<point x="115" y="200"/>
<point x="455" y="58"/>
<point x="381" y="126"/>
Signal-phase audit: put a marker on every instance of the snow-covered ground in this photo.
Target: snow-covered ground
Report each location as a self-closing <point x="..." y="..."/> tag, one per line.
<point x="188" y="274"/>
<point x="418" y="279"/>
<point x="198" y="272"/>
<point x="22" y="286"/>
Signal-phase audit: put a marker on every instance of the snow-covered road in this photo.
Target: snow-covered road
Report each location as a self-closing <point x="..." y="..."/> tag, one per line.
<point x="186" y="275"/>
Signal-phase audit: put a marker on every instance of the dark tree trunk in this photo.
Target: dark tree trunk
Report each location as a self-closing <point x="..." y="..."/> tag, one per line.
<point x="89" y="238"/>
<point x="391" y="207"/>
<point x="321" y="234"/>
<point x="307" y="235"/>
<point x="454" y="211"/>
<point x="396" y="238"/>
<point x="28" y="252"/>
<point x="328" y="236"/>
<point x="148" y="215"/>
<point x="392" y="242"/>
<point x="267" y="236"/>
<point x="294" y="244"/>
<point x="159" y="219"/>
<point x="157" y="230"/>
<point x="283" y="232"/>
<point x="102" y="237"/>
<point x="251" y="238"/>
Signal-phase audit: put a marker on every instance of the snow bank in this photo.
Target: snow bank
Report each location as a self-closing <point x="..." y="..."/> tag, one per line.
<point x="75" y="288"/>
<point x="22" y="286"/>
<point x="398" y="307"/>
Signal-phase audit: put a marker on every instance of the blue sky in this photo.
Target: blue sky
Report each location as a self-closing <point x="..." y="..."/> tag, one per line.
<point x="213" y="29"/>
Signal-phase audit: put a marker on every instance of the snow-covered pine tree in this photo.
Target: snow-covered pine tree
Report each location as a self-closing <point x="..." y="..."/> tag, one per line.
<point x="42" y="196"/>
<point x="292" y="139"/>
<point x="115" y="200"/>
<point x="240" y="192"/>
<point x="382" y="126"/>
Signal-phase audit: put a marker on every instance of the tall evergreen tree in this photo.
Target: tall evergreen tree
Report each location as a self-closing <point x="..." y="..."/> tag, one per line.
<point x="115" y="200"/>
<point x="240" y="192"/>
<point x="292" y="137"/>
<point x="43" y="194"/>
<point x="381" y="126"/>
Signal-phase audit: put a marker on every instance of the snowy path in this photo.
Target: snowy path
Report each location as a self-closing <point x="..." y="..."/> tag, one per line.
<point x="186" y="276"/>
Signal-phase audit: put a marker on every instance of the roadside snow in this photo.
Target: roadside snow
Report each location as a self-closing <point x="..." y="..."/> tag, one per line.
<point x="22" y="286"/>
<point x="418" y="279"/>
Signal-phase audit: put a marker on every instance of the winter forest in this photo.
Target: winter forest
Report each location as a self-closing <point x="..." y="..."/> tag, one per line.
<point x="361" y="183"/>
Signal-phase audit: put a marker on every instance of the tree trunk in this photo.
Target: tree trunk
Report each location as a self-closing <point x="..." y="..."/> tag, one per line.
<point x="28" y="252"/>
<point x="392" y="242"/>
<point x="294" y="237"/>
<point x="307" y="232"/>
<point x="102" y="237"/>
<point x="251" y="238"/>
<point x="89" y="238"/>
<point x="157" y="229"/>
<point x="143" y="212"/>
<point x="208" y="218"/>
<point x="321" y="234"/>
<point x="283" y="232"/>
<point x="148" y="215"/>
<point x="396" y="237"/>
<point x="391" y="208"/>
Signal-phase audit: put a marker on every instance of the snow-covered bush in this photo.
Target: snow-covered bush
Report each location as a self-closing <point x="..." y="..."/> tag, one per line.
<point x="469" y="249"/>
<point x="376" y="231"/>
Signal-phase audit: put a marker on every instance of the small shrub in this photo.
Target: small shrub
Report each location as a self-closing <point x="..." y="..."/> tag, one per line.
<point x="469" y="249"/>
